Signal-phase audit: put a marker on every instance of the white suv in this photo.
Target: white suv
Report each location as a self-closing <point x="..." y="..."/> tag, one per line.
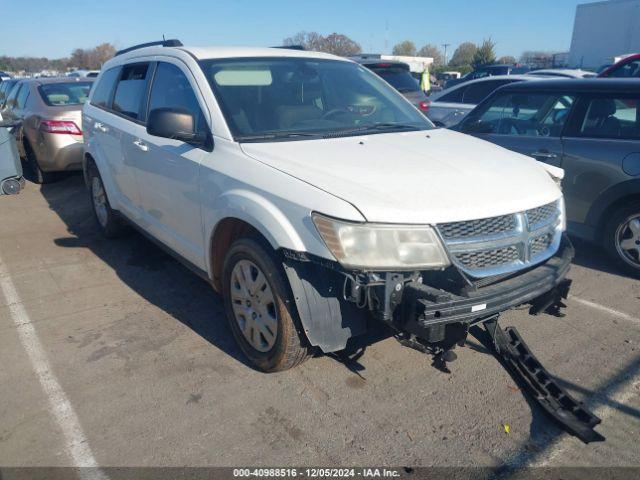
<point x="313" y="196"/>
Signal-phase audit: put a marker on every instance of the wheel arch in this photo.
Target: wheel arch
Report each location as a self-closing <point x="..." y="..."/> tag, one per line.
<point x="609" y="201"/>
<point x="247" y="213"/>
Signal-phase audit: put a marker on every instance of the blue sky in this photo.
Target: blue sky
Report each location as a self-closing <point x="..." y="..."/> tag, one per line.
<point x="53" y="29"/>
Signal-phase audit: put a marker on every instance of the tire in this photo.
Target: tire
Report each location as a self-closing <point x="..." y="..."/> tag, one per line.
<point x="622" y="238"/>
<point x="39" y="176"/>
<point x="257" y="301"/>
<point x="108" y="221"/>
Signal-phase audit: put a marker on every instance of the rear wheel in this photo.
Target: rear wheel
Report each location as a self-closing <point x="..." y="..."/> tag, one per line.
<point x="259" y="308"/>
<point x="39" y="176"/>
<point x="622" y="238"/>
<point x="108" y="221"/>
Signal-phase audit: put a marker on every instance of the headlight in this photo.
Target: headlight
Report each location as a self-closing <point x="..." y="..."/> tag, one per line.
<point x="379" y="246"/>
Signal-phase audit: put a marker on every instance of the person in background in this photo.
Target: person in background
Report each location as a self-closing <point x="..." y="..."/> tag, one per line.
<point x="425" y="81"/>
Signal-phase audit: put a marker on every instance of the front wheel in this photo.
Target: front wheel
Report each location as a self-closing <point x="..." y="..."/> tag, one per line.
<point x="622" y="238"/>
<point x="259" y="308"/>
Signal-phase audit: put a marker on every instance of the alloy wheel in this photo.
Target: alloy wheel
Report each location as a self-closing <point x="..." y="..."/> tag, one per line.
<point x="628" y="240"/>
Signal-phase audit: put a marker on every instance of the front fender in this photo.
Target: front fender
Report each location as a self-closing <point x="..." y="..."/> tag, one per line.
<point x="291" y="229"/>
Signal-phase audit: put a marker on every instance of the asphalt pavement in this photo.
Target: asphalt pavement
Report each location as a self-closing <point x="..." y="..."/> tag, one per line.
<point x="113" y="354"/>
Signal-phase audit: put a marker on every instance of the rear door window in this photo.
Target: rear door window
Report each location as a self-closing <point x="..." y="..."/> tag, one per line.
<point x="130" y="90"/>
<point x="474" y="94"/>
<point x="611" y="117"/>
<point x="21" y="99"/>
<point x="399" y="78"/>
<point x="103" y="90"/>
<point x="454" y="96"/>
<point x="13" y="93"/>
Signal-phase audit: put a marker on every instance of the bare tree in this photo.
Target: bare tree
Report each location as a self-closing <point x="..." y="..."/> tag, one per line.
<point x="406" y="47"/>
<point x="92" y="58"/>
<point x="336" y="43"/>
<point x="463" y="55"/>
<point x="308" y="40"/>
<point x="340" y="44"/>
<point x="537" y="59"/>
<point x="432" y="51"/>
<point x="507" y="59"/>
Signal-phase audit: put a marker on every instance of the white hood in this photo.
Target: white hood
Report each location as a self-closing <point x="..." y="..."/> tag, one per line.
<point x="421" y="177"/>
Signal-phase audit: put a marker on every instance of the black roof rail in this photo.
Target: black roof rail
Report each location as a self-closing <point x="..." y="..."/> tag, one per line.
<point x="291" y="47"/>
<point x="161" y="43"/>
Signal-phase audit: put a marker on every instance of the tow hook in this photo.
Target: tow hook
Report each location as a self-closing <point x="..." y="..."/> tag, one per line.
<point x="526" y="370"/>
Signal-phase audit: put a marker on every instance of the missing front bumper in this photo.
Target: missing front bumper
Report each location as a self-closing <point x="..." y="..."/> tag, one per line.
<point x="543" y="287"/>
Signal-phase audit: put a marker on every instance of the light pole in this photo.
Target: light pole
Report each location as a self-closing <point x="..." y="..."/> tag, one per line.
<point x="445" y="45"/>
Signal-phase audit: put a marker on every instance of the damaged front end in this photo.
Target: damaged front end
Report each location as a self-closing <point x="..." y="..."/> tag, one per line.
<point x="432" y="311"/>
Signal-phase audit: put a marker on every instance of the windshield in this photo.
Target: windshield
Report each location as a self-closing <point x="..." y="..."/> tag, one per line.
<point x="62" y="94"/>
<point x="399" y="78"/>
<point x="269" y="99"/>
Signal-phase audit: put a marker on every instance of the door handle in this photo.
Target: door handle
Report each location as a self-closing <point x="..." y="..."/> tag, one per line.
<point x="101" y="127"/>
<point x="141" y="145"/>
<point x="545" y="155"/>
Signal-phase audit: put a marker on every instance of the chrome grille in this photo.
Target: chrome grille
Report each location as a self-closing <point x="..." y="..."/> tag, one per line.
<point x="542" y="214"/>
<point x="540" y="244"/>
<point x="472" y="228"/>
<point x="489" y="258"/>
<point x="503" y="244"/>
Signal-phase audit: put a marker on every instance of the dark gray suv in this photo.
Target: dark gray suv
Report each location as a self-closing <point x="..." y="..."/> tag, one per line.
<point x="590" y="128"/>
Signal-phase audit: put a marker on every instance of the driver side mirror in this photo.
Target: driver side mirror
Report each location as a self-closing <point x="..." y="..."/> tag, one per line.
<point x="176" y="124"/>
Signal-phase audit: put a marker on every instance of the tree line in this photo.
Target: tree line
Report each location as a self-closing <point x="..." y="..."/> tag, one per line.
<point x="80" y="58"/>
<point x="465" y="58"/>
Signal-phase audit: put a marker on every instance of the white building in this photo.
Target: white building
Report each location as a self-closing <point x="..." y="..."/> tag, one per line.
<point x="603" y="31"/>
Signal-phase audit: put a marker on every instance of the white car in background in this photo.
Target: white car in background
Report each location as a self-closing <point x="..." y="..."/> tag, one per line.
<point x="449" y="107"/>
<point x="562" y="73"/>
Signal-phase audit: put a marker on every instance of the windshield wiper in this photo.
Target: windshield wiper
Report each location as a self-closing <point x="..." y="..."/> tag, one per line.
<point x="277" y="136"/>
<point x="392" y="126"/>
<point x="376" y="127"/>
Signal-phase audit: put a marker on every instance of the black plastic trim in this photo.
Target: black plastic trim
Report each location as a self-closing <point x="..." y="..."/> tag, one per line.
<point x="425" y="306"/>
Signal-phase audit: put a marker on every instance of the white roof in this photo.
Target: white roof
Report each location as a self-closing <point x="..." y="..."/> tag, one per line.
<point x="231" y="52"/>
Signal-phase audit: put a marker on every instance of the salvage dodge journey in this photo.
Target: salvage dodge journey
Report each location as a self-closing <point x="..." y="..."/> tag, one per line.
<point x="315" y="198"/>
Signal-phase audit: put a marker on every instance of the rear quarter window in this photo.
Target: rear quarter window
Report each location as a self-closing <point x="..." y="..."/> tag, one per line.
<point x="103" y="89"/>
<point x="130" y="90"/>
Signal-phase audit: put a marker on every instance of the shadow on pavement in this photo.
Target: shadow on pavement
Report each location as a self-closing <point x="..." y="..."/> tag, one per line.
<point x="142" y="266"/>
<point x="589" y="255"/>
<point x="160" y="279"/>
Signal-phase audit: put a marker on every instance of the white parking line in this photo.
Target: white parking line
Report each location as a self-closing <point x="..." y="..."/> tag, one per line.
<point x="604" y="309"/>
<point x="75" y="441"/>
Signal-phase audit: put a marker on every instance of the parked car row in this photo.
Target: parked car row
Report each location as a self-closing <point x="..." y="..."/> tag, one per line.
<point x="590" y="128"/>
<point x="49" y="111"/>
